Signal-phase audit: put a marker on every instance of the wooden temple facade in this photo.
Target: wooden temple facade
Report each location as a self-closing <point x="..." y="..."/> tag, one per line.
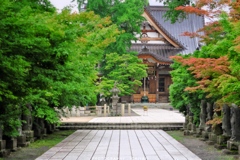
<point x="159" y="39"/>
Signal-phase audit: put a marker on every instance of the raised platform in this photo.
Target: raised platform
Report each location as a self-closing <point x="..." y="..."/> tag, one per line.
<point x="154" y="118"/>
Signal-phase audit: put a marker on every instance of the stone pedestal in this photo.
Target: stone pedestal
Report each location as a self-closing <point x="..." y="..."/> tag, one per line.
<point x="21" y="141"/>
<point x="11" y="144"/>
<point x="39" y="128"/>
<point x="204" y="136"/>
<point x="3" y="151"/>
<point x="29" y="136"/>
<point x="231" y="145"/>
<point x="49" y="127"/>
<point x="212" y="139"/>
<point x="221" y="141"/>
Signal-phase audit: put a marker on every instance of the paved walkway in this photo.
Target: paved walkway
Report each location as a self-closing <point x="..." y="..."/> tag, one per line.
<point x="153" y="115"/>
<point x="122" y="144"/>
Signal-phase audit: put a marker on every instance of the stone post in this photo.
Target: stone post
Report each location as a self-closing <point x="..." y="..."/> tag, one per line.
<point x="129" y="109"/>
<point x="122" y="109"/>
<point x="105" y="110"/>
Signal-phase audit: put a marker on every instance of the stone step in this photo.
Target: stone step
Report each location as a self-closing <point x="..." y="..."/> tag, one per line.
<point x="129" y="126"/>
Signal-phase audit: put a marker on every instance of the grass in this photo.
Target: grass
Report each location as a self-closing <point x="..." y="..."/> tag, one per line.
<point x="176" y="135"/>
<point x="38" y="147"/>
<point x="52" y="139"/>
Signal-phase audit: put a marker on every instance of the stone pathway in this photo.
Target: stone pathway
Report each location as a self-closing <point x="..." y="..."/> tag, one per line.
<point x="122" y="144"/>
<point x="119" y="145"/>
<point x="151" y="116"/>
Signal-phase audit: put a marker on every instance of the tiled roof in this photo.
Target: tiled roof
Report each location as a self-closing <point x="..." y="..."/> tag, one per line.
<point x="162" y="52"/>
<point x="159" y="51"/>
<point x="191" y="23"/>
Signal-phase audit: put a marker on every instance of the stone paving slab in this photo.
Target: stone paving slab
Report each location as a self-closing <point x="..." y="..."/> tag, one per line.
<point x="119" y="145"/>
<point x="153" y="115"/>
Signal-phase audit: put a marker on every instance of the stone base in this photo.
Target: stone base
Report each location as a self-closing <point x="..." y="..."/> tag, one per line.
<point x="229" y="152"/>
<point x="210" y="142"/>
<point x="212" y="137"/>
<point x="40" y="133"/>
<point x="221" y="142"/>
<point x="217" y="146"/>
<point x="29" y="135"/>
<point x="3" y="151"/>
<point x="232" y="145"/>
<point x="186" y="133"/>
<point x="21" y="141"/>
<point x="222" y="139"/>
<point x="11" y="144"/>
<point x="49" y="128"/>
<point x="204" y="136"/>
<point x="198" y="132"/>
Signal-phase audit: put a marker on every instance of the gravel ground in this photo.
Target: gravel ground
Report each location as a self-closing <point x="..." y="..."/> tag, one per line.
<point x="201" y="148"/>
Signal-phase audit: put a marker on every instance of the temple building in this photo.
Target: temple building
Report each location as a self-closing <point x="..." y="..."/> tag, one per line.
<point x="159" y="39"/>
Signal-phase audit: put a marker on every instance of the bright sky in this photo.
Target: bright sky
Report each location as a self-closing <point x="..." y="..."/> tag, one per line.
<point x="60" y="4"/>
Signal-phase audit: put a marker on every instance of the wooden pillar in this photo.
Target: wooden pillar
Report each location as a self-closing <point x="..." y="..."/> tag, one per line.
<point x="157" y="81"/>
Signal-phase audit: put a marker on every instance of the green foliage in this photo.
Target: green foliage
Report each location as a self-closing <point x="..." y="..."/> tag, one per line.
<point x="48" y="59"/>
<point x="172" y="14"/>
<point x="127" y="15"/>
<point x="180" y="98"/>
<point x="219" y="86"/>
<point x="119" y="64"/>
<point x="127" y="70"/>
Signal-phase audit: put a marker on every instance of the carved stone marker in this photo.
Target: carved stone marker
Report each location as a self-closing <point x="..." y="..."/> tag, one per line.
<point x="226" y="127"/>
<point x="208" y="127"/>
<point x="235" y="123"/>
<point x="226" y="121"/>
<point x="21" y="139"/>
<point x="216" y="128"/>
<point x="2" y="143"/>
<point x="191" y="128"/>
<point x="27" y="126"/>
<point x="203" y="115"/>
<point x="186" y="118"/>
<point x="234" y="141"/>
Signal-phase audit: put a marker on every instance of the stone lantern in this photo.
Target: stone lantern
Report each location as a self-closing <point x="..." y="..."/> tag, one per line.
<point x="115" y="98"/>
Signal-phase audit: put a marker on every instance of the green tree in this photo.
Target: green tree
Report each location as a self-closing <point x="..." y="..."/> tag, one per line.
<point x="48" y="59"/>
<point x="126" y="70"/>
<point x="127" y="15"/>
<point x="179" y="97"/>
